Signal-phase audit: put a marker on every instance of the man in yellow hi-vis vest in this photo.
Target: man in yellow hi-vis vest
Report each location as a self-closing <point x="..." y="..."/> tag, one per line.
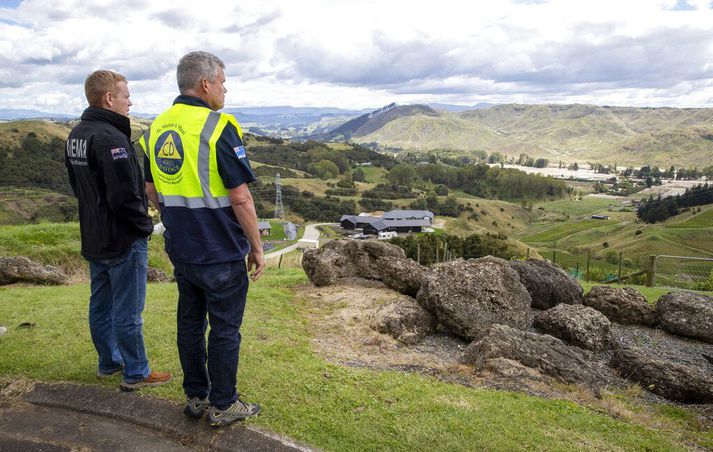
<point x="197" y="173"/>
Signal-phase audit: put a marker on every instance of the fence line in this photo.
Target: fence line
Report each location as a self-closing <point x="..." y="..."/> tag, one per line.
<point x="688" y="272"/>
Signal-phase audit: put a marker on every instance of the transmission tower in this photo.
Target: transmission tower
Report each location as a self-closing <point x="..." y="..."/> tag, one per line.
<point x="279" y="209"/>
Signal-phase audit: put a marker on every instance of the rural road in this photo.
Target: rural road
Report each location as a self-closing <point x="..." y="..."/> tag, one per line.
<point x="311" y="233"/>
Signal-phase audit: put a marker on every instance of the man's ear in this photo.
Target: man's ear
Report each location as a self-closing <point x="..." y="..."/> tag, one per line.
<point x="108" y="99"/>
<point x="204" y="85"/>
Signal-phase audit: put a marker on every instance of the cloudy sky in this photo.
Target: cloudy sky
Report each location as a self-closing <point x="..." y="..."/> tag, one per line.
<point x="364" y="53"/>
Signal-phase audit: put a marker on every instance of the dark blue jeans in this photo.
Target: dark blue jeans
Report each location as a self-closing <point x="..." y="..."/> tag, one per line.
<point x="218" y="291"/>
<point x="115" y="308"/>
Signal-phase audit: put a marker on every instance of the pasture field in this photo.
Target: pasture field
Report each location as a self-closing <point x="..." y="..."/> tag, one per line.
<point x="588" y="205"/>
<point x="701" y="220"/>
<point x="562" y="231"/>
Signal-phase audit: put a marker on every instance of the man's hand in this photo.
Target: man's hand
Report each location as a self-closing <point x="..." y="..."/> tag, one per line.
<point x="256" y="264"/>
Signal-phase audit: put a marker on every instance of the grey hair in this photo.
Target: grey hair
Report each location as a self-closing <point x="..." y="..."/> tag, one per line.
<point x="195" y="66"/>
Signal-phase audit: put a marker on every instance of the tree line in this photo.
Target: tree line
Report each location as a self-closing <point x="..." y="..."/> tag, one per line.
<point x="481" y="180"/>
<point x="316" y="158"/>
<point x="652" y="210"/>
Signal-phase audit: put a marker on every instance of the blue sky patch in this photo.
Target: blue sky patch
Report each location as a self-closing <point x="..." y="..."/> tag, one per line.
<point x="10" y="3"/>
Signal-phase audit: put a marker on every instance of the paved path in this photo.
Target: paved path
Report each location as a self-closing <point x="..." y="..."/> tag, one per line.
<point x="68" y="417"/>
<point x="311" y="233"/>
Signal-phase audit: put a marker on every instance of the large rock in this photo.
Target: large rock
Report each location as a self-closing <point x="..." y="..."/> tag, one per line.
<point x="577" y="325"/>
<point x="21" y="269"/>
<point x="405" y="320"/>
<point x="622" y="305"/>
<point x="687" y="314"/>
<point x="669" y="379"/>
<point x="343" y="258"/>
<point x="401" y="274"/>
<point x="542" y="352"/>
<point x="469" y="296"/>
<point x="547" y="284"/>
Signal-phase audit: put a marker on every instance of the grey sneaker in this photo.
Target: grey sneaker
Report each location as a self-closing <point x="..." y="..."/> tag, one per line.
<point x="235" y="412"/>
<point x="3" y="330"/>
<point x="195" y="407"/>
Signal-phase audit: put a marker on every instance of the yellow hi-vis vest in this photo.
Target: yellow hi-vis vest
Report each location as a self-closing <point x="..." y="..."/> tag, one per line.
<point x="181" y="146"/>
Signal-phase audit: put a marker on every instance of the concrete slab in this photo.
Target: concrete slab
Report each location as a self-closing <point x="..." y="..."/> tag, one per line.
<point x="58" y="417"/>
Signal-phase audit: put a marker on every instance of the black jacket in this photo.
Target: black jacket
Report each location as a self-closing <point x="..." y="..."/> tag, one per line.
<point x="106" y="179"/>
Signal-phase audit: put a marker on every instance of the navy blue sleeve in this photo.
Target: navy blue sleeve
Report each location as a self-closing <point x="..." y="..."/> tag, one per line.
<point x="147" y="169"/>
<point x="233" y="164"/>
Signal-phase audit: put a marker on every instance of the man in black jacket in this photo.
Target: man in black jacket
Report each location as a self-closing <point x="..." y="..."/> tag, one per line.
<point x="106" y="179"/>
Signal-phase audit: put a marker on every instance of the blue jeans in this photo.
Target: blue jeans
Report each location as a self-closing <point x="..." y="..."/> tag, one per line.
<point x="218" y="291"/>
<point x="115" y="307"/>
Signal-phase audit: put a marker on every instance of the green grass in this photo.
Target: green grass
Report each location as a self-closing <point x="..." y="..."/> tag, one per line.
<point x="587" y="206"/>
<point x="702" y="220"/>
<point x="59" y="245"/>
<point x="561" y="231"/>
<point x="55" y="244"/>
<point x="307" y="398"/>
<point x="374" y="174"/>
<point x="277" y="232"/>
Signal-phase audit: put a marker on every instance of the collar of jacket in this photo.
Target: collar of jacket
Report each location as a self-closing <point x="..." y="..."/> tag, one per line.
<point x="121" y="122"/>
<point x="190" y="100"/>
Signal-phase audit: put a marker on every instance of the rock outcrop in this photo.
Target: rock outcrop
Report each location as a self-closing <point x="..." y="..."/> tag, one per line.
<point x="542" y="352"/>
<point x="344" y="258"/>
<point x="576" y="325"/>
<point x="672" y="380"/>
<point x="21" y="269"/>
<point x="401" y="274"/>
<point x="469" y="296"/>
<point x="405" y="320"/>
<point x="687" y="314"/>
<point x="622" y="305"/>
<point x="547" y="284"/>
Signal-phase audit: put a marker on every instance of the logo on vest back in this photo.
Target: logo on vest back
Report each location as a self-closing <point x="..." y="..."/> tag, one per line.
<point x="169" y="152"/>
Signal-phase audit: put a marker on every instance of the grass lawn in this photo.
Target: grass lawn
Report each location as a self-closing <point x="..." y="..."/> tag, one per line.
<point x="324" y="405"/>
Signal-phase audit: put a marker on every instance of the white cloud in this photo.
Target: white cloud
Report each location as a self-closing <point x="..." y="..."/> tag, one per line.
<point x="365" y="53"/>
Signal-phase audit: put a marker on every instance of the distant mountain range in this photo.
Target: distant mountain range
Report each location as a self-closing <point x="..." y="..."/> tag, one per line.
<point x="11" y="114"/>
<point x="621" y="135"/>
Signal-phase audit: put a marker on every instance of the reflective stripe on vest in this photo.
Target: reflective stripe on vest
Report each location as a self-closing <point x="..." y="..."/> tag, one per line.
<point x="196" y="183"/>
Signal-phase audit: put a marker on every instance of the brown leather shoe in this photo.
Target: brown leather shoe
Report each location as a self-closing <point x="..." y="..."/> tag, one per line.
<point x="154" y="379"/>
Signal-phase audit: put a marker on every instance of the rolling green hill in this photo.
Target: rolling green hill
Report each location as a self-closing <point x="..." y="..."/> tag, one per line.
<point x="621" y="135"/>
<point x="569" y="240"/>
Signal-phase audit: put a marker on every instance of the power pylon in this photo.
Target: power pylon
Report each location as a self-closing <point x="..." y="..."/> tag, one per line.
<point x="279" y="209"/>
